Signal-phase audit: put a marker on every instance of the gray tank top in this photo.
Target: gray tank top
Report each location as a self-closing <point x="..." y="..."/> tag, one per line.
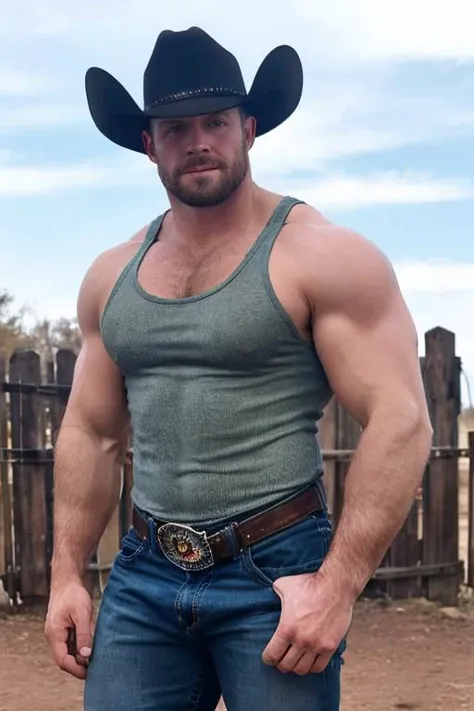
<point x="223" y="391"/>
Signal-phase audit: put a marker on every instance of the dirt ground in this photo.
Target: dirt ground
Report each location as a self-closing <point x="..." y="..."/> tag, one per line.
<point x="400" y="656"/>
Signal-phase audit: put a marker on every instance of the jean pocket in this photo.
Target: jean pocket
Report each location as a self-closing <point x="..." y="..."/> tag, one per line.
<point x="132" y="545"/>
<point x="298" y="549"/>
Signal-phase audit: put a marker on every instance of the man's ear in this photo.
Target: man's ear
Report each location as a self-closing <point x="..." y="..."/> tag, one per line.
<point x="149" y="145"/>
<point x="250" y="127"/>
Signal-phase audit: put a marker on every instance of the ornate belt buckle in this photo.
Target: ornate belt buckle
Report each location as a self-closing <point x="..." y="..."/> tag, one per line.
<point x="185" y="547"/>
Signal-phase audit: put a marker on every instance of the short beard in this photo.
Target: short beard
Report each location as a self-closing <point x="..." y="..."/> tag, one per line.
<point x="200" y="196"/>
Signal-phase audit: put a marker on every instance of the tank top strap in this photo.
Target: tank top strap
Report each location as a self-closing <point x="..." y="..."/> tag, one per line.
<point x="276" y="222"/>
<point x="151" y="236"/>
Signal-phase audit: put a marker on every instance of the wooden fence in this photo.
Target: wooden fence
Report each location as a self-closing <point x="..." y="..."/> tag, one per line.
<point x="424" y="559"/>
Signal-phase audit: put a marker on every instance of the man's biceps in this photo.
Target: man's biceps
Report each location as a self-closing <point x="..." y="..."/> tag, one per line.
<point x="97" y="385"/>
<point x="365" y="371"/>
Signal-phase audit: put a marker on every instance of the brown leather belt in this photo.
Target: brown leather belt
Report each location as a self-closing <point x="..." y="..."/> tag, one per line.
<point x="191" y="549"/>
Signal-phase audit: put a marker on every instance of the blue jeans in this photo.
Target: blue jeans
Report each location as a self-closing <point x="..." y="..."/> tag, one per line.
<point x="170" y="640"/>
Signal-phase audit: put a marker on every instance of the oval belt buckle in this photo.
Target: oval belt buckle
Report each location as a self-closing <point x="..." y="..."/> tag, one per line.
<point x="185" y="547"/>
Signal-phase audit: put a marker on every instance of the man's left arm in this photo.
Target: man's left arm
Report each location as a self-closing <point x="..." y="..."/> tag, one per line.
<point x="367" y="343"/>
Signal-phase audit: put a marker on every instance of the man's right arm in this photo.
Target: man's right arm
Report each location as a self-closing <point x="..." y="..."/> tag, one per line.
<point x="90" y="448"/>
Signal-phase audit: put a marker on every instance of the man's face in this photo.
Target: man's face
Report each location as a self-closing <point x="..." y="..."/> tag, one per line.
<point x="204" y="159"/>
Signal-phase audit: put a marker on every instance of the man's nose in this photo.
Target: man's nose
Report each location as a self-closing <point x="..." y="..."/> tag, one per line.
<point x="198" y="141"/>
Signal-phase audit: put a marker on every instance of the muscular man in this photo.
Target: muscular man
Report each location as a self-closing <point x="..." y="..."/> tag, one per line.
<point x="216" y="336"/>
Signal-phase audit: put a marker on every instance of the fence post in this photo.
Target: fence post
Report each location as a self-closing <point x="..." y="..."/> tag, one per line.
<point x="405" y="553"/>
<point x="7" y="562"/>
<point x="29" y="500"/>
<point x="348" y="432"/>
<point x="440" y="494"/>
<point x="3" y="484"/>
<point x="470" y="514"/>
<point x="65" y="364"/>
<point x="61" y="372"/>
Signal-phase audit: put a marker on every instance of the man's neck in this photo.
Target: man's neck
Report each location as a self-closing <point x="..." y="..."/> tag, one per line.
<point x="200" y="227"/>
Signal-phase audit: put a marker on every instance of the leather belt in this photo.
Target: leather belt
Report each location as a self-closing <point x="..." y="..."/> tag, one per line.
<point x="191" y="549"/>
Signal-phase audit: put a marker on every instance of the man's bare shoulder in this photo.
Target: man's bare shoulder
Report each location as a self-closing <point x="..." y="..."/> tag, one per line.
<point x="336" y="261"/>
<point x="102" y="274"/>
<point x="119" y="255"/>
<point x="309" y="229"/>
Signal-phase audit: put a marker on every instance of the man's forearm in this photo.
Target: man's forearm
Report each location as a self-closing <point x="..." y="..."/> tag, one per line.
<point x="380" y="487"/>
<point x="87" y="486"/>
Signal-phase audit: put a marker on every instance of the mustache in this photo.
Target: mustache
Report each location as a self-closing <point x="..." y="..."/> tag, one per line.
<point x="201" y="163"/>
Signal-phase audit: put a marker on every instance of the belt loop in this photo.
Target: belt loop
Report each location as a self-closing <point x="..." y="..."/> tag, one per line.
<point x="322" y="493"/>
<point x="152" y="533"/>
<point x="232" y="538"/>
<point x="150" y="524"/>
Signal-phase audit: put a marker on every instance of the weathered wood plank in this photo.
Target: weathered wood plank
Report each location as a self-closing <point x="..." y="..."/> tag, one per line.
<point x="30" y="517"/>
<point x="440" y="490"/>
<point x="5" y="521"/>
<point x="347" y="437"/>
<point x="470" y="545"/>
<point x="405" y="553"/>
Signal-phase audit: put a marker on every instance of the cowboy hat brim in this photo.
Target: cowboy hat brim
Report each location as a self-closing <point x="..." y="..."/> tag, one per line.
<point x="274" y="96"/>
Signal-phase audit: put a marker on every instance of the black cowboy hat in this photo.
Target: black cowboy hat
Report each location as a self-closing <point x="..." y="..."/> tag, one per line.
<point x="190" y="74"/>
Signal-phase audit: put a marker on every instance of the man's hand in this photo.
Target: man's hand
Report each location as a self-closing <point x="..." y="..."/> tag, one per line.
<point x="70" y="608"/>
<point x="315" y="617"/>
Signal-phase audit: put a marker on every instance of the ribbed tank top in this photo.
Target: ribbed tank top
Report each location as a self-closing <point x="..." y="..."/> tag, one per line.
<point x="224" y="393"/>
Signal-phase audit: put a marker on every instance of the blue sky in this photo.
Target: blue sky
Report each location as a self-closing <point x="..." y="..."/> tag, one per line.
<point x="382" y="141"/>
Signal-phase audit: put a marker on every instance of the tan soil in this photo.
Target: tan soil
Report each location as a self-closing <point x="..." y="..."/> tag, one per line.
<point x="404" y="656"/>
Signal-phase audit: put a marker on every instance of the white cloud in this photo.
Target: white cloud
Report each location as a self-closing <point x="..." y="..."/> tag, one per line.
<point x="6" y="156"/>
<point x="441" y="293"/>
<point x="343" y="30"/>
<point x="434" y="275"/>
<point x="346" y="192"/>
<point x="42" y="180"/>
<point x="36" y="180"/>
<point x="14" y="82"/>
<point x="39" y="116"/>
<point x="318" y="133"/>
<point x="370" y="30"/>
<point x="436" y="299"/>
<point x="356" y="121"/>
<point x="331" y="191"/>
<point x="52" y="297"/>
<point x="44" y="20"/>
<point x="348" y="109"/>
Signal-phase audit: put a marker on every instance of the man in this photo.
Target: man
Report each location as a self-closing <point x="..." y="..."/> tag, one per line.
<point x="217" y="335"/>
